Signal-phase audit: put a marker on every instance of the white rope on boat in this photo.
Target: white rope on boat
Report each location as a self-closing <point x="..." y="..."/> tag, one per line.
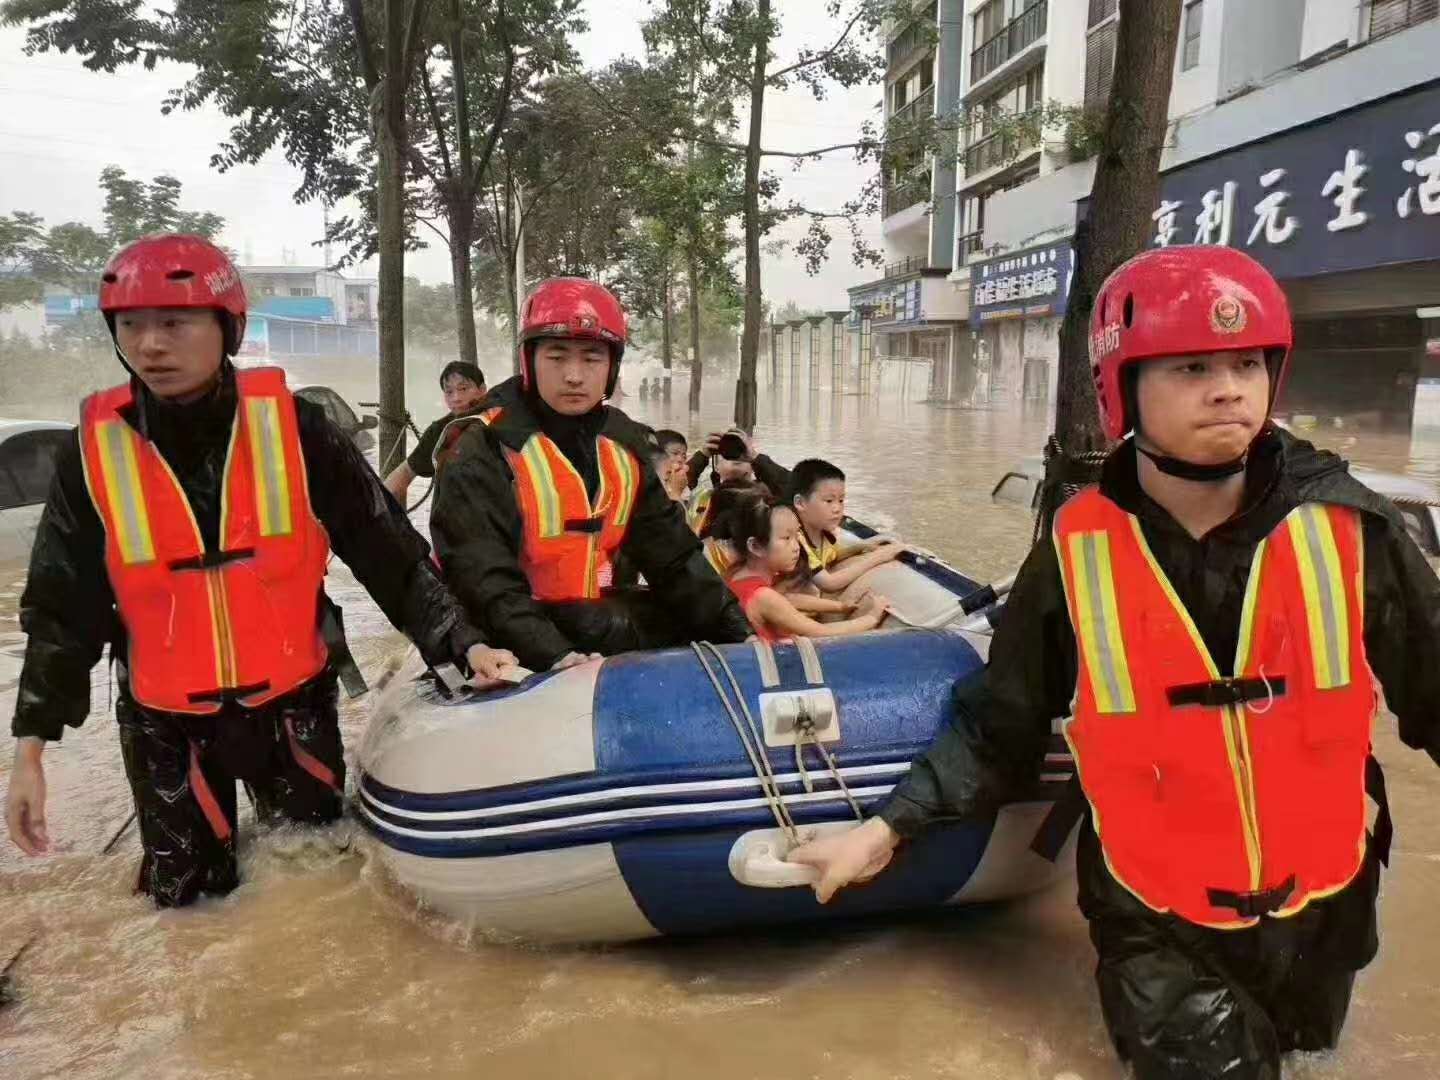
<point x="753" y="740"/>
<point x="755" y="751"/>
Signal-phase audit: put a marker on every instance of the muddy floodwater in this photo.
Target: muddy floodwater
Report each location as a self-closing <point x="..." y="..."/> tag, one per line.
<point x="316" y="967"/>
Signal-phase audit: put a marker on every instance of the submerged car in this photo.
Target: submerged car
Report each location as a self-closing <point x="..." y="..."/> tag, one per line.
<point x="27" y="465"/>
<point x="341" y="414"/>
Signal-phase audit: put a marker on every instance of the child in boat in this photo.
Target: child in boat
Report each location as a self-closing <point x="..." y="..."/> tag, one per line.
<point x="670" y="462"/>
<point x="817" y="492"/>
<point x="765" y="535"/>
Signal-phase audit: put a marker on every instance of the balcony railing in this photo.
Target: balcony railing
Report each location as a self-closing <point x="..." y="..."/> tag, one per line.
<point x="923" y="105"/>
<point x="970" y="245"/>
<point x="1392" y="16"/>
<point x="997" y="149"/>
<point x="1020" y="32"/>
<point x="911" y="264"/>
<point x="905" y="193"/>
<point x="918" y="34"/>
<point x="1100" y="10"/>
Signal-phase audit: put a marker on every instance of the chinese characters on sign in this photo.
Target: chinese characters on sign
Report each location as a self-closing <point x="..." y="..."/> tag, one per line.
<point x="1360" y="189"/>
<point x="1034" y="282"/>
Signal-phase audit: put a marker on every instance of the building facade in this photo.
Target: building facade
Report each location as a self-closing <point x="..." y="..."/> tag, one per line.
<point x="911" y="310"/>
<point x="312" y="293"/>
<point x="1305" y="132"/>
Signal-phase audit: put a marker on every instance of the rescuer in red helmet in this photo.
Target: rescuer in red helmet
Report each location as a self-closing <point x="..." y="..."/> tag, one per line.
<point x="1209" y="626"/>
<point x="185" y="530"/>
<point x="547" y="488"/>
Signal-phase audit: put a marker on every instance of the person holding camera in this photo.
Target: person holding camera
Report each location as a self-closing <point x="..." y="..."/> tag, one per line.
<point x="733" y="459"/>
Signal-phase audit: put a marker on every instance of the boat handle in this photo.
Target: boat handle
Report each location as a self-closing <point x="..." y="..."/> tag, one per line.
<point x="757" y="859"/>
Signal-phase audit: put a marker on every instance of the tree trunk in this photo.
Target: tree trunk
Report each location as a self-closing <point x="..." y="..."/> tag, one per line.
<point x="666" y="346"/>
<point x="745" y="394"/>
<point x="697" y="366"/>
<point x="390" y="139"/>
<point x="462" y="198"/>
<point x="462" y="240"/>
<point x="1118" y="224"/>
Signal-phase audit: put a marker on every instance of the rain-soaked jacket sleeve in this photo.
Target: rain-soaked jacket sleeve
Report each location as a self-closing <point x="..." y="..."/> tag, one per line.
<point x="476" y="527"/>
<point x="371" y="534"/>
<point x="992" y="748"/>
<point x="1402" y="631"/>
<point x="662" y="547"/>
<point x="773" y="475"/>
<point x="67" y="609"/>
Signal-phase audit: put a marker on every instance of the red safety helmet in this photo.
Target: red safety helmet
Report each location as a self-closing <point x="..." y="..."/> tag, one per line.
<point x="1179" y="301"/>
<point x="572" y="307"/>
<point x="175" y="270"/>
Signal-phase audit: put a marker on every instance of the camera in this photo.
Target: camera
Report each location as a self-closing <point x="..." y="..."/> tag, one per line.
<point x="731" y="447"/>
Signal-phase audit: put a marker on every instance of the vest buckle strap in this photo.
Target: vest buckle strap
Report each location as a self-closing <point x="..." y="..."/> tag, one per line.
<point x="1252" y="905"/>
<point x="1222" y="692"/>
<point x="209" y="560"/>
<point x="227" y="694"/>
<point x="585" y="525"/>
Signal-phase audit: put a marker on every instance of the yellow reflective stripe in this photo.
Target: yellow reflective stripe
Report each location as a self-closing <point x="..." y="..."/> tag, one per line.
<point x="1237" y="740"/>
<point x="1099" y="622"/>
<point x="1247" y="609"/>
<point x="1323" y="584"/>
<point x="1174" y="598"/>
<point x="542" y="483"/>
<point x="120" y="465"/>
<point x="629" y="481"/>
<point x="267" y="453"/>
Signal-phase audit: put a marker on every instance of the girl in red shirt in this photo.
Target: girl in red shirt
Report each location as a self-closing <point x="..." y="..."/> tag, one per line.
<point x="765" y="537"/>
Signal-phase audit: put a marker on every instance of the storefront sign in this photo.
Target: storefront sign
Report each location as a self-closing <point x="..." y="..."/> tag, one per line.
<point x="1357" y="190"/>
<point x="890" y="303"/>
<point x="1027" y="284"/>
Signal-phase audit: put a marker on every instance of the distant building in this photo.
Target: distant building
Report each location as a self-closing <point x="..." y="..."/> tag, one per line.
<point x="312" y="293"/>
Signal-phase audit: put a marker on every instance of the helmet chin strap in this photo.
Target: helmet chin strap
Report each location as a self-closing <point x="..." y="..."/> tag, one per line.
<point x="1187" y="470"/>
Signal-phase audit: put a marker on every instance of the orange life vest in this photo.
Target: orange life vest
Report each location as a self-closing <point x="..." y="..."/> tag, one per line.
<point x="204" y="627"/>
<point x="1222" y="799"/>
<point x="569" y="545"/>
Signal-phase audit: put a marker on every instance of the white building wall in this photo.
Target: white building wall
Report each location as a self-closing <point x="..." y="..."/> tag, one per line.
<point x="940" y="299"/>
<point x="1065" y="51"/>
<point x="1044" y="208"/>
<point x="1259" y="40"/>
<point x="1327" y="23"/>
<point x="1199" y="88"/>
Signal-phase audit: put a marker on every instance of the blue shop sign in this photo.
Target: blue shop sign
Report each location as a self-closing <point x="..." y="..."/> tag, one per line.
<point x="1356" y="190"/>
<point x="1026" y="284"/>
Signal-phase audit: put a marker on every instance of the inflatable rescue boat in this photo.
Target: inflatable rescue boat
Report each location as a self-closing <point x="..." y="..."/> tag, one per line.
<point x="658" y="792"/>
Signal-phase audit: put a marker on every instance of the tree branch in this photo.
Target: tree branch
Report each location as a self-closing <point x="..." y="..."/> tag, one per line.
<point x="411" y="48"/>
<point x="819" y="57"/>
<point x="434" y="110"/>
<point x="502" y="104"/>
<point x="431" y="226"/>
<point x="680" y="132"/>
<point x="362" y="44"/>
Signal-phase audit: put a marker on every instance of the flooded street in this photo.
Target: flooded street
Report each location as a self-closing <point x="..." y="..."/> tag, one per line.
<point x="316" y="967"/>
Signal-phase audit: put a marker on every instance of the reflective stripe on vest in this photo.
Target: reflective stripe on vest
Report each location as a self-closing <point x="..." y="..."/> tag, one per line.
<point x="569" y="545"/>
<point x="1221" y="799"/>
<point x="203" y="627"/>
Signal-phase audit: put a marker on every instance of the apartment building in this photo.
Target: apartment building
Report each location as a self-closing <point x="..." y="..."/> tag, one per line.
<point x="910" y="308"/>
<point x="1306" y="132"/>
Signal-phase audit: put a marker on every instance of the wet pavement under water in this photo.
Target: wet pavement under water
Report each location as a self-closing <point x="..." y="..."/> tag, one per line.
<point x="316" y="966"/>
